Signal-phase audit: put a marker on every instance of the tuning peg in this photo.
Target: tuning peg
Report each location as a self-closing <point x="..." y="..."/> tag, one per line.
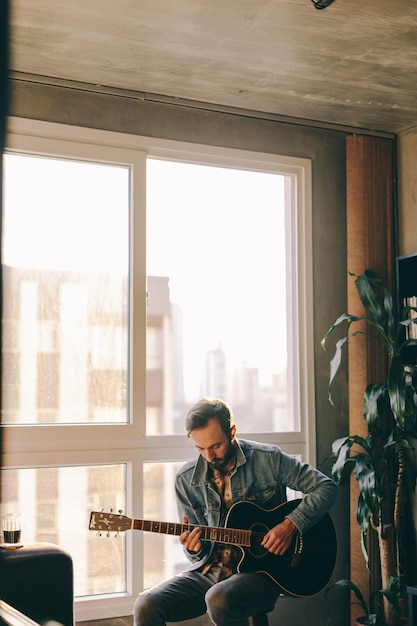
<point x="120" y="511"/>
<point x="110" y="510"/>
<point x="98" y="534"/>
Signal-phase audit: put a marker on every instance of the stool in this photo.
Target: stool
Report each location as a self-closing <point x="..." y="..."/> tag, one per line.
<point x="37" y="580"/>
<point x="260" y="619"/>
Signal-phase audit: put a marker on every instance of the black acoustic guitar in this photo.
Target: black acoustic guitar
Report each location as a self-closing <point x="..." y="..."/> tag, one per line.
<point x="304" y="570"/>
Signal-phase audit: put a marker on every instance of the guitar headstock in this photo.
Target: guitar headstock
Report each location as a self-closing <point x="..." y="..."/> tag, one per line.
<point x="101" y="521"/>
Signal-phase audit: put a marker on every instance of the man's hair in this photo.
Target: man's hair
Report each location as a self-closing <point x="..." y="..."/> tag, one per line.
<point x="204" y="410"/>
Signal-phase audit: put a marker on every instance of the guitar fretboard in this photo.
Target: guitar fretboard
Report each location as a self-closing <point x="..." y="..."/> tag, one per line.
<point x="233" y="536"/>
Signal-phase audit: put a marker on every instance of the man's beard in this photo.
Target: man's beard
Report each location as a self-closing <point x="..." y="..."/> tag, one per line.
<point x="221" y="464"/>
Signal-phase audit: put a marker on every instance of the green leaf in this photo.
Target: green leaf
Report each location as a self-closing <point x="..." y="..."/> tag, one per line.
<point x="345" y="464"/>
<point x="372" y="403"/>
<point x="335" y="364"/>
<point x="389" y="311"/>
<point x="366" y="285"/>
<point x="345" y="317"/>
<point x="397" y="390"/>
<point x="337" y="357"/>
<point x="392" y="593"/>
<point x="337" y="444"/>
<point x="363" y="513"/>
<point x="350" y="585"/>
<point x="341" y="447"/>
<point x="378" y="302"/>
<point x="367" y="486"/>
<point x="341" y="472"/>
<point x="364" y="547"/>
<point x="392" y="597"/>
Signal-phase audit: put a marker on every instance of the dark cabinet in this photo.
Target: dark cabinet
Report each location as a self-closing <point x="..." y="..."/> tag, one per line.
<point x="406" y="290"/>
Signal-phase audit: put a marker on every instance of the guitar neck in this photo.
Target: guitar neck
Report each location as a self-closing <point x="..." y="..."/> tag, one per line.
<point x="234" y="536"/>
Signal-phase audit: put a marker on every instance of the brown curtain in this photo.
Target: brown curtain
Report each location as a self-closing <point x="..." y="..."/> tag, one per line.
<point x="370" y="245"/>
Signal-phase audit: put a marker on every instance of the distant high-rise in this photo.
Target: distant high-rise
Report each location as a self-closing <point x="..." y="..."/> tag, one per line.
<point x="215" y="379"/>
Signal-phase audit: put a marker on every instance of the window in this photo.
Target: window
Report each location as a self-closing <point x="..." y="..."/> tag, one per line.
<point x="218" y="267"/>
<point x="105" y="345"/>
<point x="65" y="260"/>
<point x="54" y="503"/>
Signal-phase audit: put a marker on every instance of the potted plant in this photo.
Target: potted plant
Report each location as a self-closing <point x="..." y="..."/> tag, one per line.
<point x="378" y="461"/>
<point x="370" y="608"/>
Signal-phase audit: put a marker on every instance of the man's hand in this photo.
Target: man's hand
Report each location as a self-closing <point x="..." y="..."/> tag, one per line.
<point x="191" y="540"/>
<point x="278" y="539"/>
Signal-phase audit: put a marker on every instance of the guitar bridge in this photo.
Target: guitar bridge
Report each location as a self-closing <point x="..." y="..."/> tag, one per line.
<point x="298" y="548"/>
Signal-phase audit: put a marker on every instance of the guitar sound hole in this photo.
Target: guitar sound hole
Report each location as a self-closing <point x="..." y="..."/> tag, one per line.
<point x="258" y="533"/>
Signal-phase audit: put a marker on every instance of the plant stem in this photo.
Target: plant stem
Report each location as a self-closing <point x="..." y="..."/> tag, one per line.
<point x="386" y="540"/>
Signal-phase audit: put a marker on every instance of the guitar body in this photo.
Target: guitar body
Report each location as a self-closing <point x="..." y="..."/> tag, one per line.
<point x="305" y="575"/>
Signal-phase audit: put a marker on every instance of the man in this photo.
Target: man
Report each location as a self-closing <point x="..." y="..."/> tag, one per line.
<point x="226" y="471"/>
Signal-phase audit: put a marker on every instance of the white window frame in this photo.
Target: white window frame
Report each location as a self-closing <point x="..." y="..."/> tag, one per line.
<point x="29" y="446"/>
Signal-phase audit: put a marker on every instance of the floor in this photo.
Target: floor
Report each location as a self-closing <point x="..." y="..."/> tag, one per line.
<point x="116" y="621"/>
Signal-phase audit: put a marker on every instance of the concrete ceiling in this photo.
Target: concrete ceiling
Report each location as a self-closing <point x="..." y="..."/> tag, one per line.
<point x="352" y="64"/>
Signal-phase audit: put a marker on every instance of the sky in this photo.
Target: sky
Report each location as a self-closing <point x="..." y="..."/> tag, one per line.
<point x="64" y="215"/>
<point x="220" y="236"/>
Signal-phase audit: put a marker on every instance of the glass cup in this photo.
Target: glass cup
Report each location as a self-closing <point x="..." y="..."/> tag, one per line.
<point x="12" y="527"/>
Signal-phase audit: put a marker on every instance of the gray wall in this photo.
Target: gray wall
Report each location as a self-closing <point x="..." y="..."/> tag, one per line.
<point x="326" y="149"/>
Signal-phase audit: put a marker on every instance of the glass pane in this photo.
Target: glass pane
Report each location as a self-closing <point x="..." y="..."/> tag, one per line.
<point x="55" y="503"/>
<point x="65" y="313"/>
<point x="163" y="554"/>
<point x="217" y="267"/>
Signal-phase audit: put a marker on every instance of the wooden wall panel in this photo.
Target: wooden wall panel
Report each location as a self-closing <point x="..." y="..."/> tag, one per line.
<point x="370" y="234"/>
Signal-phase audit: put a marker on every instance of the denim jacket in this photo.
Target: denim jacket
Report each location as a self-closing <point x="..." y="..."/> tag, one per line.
<point x="261" y="475"/>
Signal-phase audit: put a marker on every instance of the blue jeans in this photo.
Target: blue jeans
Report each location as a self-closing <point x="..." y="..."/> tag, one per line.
<point x="190" y="594"/>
